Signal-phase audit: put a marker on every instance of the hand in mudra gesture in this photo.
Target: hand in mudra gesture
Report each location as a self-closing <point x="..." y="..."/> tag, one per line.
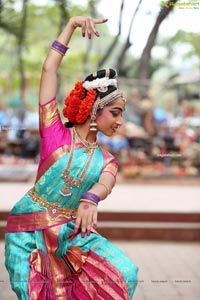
<point x="88" y="25"/>
<point x="86" y="218"/>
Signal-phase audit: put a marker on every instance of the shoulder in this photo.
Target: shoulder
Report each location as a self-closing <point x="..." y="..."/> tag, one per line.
<point x="108" y="157"/>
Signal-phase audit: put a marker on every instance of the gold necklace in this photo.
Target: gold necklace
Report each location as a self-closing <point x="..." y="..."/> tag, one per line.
<point x="88" y="146"/>
<point x="69" y="180"/>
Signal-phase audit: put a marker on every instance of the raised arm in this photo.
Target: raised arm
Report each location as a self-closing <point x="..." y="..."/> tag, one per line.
<point x="48" y="82"/>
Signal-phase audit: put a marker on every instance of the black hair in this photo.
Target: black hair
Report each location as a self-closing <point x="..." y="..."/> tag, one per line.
<point x="110" y="73"/>
<point x="69" y="124"/>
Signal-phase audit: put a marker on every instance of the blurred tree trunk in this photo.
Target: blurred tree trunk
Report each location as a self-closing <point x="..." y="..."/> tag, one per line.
<point x="20" y="41"/>
<point x="92" y="12"/>
<point x="1" y="8"/>
<point x="122" y="69"/>
<point x="18" y="28"/>
<point x="112" y="46"/>
<point x="64" y="13"/>
<point x="144" y="65"/>
<point x="64" y="17"/>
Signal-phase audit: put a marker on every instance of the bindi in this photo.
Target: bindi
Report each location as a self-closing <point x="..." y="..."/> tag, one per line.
<point x="86" y="206"/>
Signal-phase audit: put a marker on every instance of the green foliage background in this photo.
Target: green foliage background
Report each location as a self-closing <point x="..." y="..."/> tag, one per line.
<point x="43" y="24"/>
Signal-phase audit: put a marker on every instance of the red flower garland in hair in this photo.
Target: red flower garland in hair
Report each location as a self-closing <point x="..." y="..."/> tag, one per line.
<point x="85" y="106"/>
<point x="79" y="104"/>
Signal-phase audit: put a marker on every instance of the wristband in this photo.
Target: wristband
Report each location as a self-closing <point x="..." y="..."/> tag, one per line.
<point x="91" y="196"/>
<point x="58" y="47"/>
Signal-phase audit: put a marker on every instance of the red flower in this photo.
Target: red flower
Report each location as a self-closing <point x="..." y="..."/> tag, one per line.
<point x="78" y="104"/>
<point x="86" y="106"/>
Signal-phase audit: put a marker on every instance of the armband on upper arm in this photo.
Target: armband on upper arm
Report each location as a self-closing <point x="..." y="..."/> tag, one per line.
<point x="107" y="189"/>
<point x="48" y="113"/>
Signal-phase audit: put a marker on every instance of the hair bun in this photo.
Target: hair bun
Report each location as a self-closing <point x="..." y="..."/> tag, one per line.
<point x="109" y="73"/>
<point x="101" y="80"/>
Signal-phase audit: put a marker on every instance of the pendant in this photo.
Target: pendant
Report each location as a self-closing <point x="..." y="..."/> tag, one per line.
<point x="65" y="191"/>
<point x="88" y="150"/>
<point x="53" y="212"/>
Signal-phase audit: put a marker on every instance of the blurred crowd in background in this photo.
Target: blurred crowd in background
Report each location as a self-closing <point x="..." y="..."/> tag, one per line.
<point x="152" y="142"/>
<point x="159" y="72"/>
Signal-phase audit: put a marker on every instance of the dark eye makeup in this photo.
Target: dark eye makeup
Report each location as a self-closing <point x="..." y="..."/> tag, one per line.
<point x="116" y="112"/>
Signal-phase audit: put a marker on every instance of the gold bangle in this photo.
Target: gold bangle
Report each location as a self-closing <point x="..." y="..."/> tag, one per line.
<point x="88" y="201"/>
<point x="108" y="191"/>
<point x="57" y="51"/>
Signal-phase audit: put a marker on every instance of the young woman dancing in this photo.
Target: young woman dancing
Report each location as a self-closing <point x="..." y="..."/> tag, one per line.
<point x="53" y="251"/>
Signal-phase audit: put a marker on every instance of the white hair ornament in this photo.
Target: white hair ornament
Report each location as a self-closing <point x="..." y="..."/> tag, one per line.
<point x="101" y="84"/>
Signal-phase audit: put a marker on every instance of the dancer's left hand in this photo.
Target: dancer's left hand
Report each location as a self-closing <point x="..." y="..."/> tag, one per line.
<point x="86" y="218"/>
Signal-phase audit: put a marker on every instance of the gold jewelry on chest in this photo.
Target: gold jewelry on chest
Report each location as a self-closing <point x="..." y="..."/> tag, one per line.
<point x="69" y="180"/>
<point x="88" y="146"/>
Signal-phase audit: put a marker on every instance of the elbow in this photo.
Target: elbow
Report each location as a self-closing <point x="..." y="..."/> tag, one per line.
<point x="48" y="67"/>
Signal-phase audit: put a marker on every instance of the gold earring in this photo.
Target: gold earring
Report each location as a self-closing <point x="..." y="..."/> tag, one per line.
<point x="93" y="124"/>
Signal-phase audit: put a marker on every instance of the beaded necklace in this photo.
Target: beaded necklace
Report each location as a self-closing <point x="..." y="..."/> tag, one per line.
<point x="88" y="146"/>
<point x="69" y="180"/>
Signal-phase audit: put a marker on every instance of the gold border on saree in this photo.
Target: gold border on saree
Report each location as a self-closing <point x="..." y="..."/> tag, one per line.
<point x="53" y="209"/>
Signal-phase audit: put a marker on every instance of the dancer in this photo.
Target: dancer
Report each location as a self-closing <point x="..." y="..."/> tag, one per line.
<point x="53" y="251"/>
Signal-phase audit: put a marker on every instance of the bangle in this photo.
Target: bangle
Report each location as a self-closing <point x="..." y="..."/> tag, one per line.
<point x="91" y="197"/>
<point x="88" y="201"/>
<point x="108" y="191"/>
<point x="60" y="48"/>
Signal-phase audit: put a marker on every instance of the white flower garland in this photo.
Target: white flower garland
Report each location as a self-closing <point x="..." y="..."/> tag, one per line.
<point x="99" y="83"/>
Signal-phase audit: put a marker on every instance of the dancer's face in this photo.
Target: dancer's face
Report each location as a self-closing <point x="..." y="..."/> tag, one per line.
<point x="110" y="118"/>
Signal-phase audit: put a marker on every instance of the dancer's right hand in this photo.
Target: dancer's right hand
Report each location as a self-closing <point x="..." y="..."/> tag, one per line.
<point x="87" y="24"/>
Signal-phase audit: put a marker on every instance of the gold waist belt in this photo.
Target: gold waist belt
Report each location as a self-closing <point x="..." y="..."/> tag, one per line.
<point x="54" y="210"/>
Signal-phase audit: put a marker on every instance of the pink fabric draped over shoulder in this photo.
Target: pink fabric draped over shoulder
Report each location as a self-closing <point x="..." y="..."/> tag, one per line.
<point x="53" y="133"/>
